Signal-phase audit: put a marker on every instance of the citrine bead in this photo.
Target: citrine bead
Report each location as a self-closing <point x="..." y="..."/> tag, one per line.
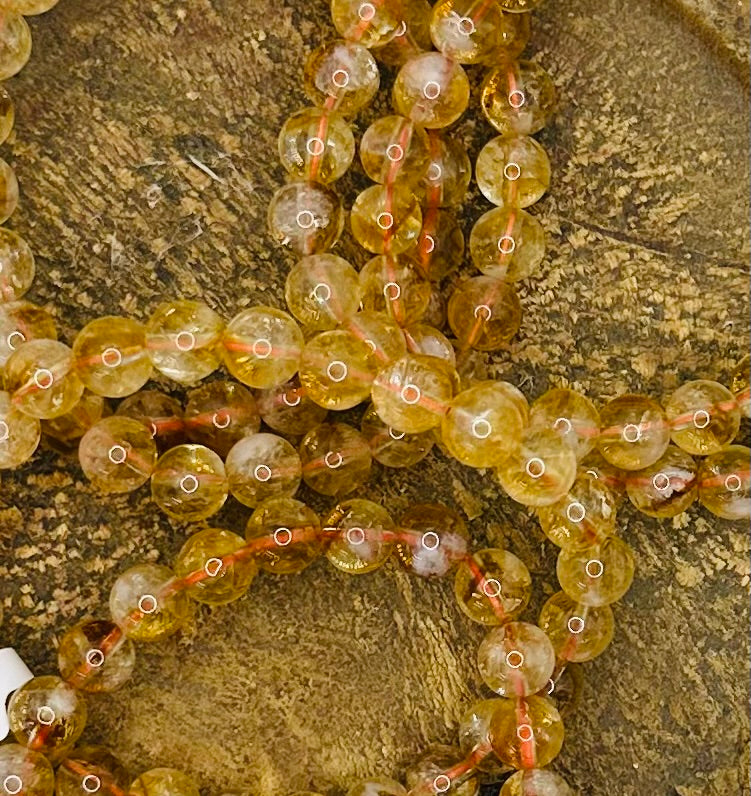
<point x="394" y="284"/>
<point x="24" y="771"/>
<point x="377" y="786"/>
<point x="577" y="632"/>
<point x="412" y="37"/>
<point x="570" y="414"/>
<point x="449" y="172"/>
<point x="308" y="217"/>
<point x="262" y="466"/>
<point x="465" y="30"/>
<point x="7" y="117"/>
<point x="30" y="7"/>
<point x="8" y="185"/>
<point x="596" y="575"/>
<point x="88" y="770"/>
<point x="17" y="267"/>
<point x="428" y="775"/>
<point x="163" y="782"/>
<point x="635" y="432"/>
<point x="527" y="732"/>
<point x="19" y="434"/>
<point x="484" y="313"/>
<point x="386" y="219"/>
<point x="519" y="7"/>
<point x="372" y="24"/>
<point x="341" y="75"/>
<point x="725" y="484"/>
<point x="382" y="335"/>
<point x="394" y="148"/>
<point x="336" y="458"/>
<point x="474" y="737"/>
<point x="516" y="659"/>
<point x="15" y="44"/>
<point x="517" y="98"/>
<point x="358" y="536"/>
<point x="421" y="338"/>
<point x="440" y="247"/>
<point x="512" y="172"/>
<point x="740" y="385"/>
<point x="393" y="448"/>
<point x="21" y="321"/>
<point x="536" y="782"/>
<point x="66" y="430"/>
<point x="316" y="144"/>
<point x="435" y="539"/>
<point x="95" y="656"/>
<point x="667" y="487"/>
<point x="159" y="412"/>
<point x="507" y="243"/>
<point x="288" y="410"/>
<point x="595" y="464"/>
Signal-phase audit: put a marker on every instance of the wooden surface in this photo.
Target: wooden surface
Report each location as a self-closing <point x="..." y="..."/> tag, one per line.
<point x="315" y="680"/>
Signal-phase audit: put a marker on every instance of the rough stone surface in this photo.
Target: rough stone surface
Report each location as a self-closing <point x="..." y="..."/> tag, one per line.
<point x="312" y="681"/>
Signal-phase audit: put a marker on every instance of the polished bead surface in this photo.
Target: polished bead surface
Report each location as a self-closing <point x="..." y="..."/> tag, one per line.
<point x="335" y="458"/>
<point x="725" y="484"/>
<point x="316" y="144"/>
<point x="467" y="31"/>
<point x="440" y="247"/>
<point x="517" y="98"/>
<point x="429" y="774"/>
<point x="372" y="24"/>
<point x="19" y="434"/>
<point x="527" y="732"/>
<point x="8" y="185"/>
<point x="519" y="7"/>
<point x="395" y="284"/>
<point x="262" y="466"/>
<point x="288" y="410"/>
<point x="381" y="333"/>
<point x="94" y="656"/>
<point x="23" y="771"/>
<point x="306" y="216"/>
<point x="91" y="769"/>
<point x="7" y="117"/>
<point x="474" y="736"/>
<point x="393" y="448"/>
<point x="516" y="659"/>
<point x="65" y="431"/>
<point x="596" y="575"/>
<point x="635" y="432"/>
<point x="741" y="385"/>
<point x="512" y="171"/>
<point x="667" y="487"/>
<point x="507" y="243"/>
<point x="163" y="782"/>
<point x="484" y="313"/>
<point x="394" y="148"/>
<point x="341" y="75"/>
<point x="15" y="44"/>
<point x="30" y="7"/>
<point x="358" y="533"/>
<point x="377" y="786"/>
<point x="423" y="339"/>
<point x="703" y="416"/>
<point x="21" y="321"/>
<point x="570" y="414"/>
<point x="436" y="539"/>
<point x="386" y="219"/>
<point x="449" y="172"/>
<point x="412" y="37"/>
<point x="17" y="267"/>
<point x="577" y="632"/>
<point x="536" y="782"/>
<point x="160" y="413"/>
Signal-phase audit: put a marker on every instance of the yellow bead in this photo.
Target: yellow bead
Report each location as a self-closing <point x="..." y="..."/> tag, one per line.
<point x="597" y="575"/>
<point x="519" y="7"/>
<point x="357" y="531"/>
<point x="291" y="532"/>
<point x="516" y="659"/>
<point x="160" y="413"/>
<point x="182" y="338"/>
<point x="382" y="335"/>
<point x="484" y="313"/>
<point x="217" y="581"/>
<point x="21" y="321"/>
<point x="517" y="98"/>
<point x="7" y="117"/>
<point x="95" y="656"/>
<point x="316" y="144"/>
<point x="117" y="454"/>
<point x="527" y="732"/>
<point x="703" y="416"/>
<point x="467" y="31"/>
<point x="24" y="771"/>
<point x="421" y="338"/>
<point x="394" y="284"/>
<point x="8" y="190"/>
<point x="436" y="539"/>
<point x="17" y="267"/>
<point x="15" y="44"/>
<point x="370" y="24"/>
<point x="336" y="370"/>
<point x="19" y="434"/>
<point x="536" y="782"/>
<point x="512" y="172"/>
<point x="724" y="483"/>
<point x="386" y="219"/>
<point x="393" y="448"/>
<point x="507" y="243"/>
<point x="48" y="715"/>
<point x="163" y="782"/>
<point x="189" y="483"/>
<point x="635" y="432"/>
<point x="306" y="216"/>
<point x="431" y="90"/>
<point x="65" y="431"/>
<point x="377" y="786"/>
<point x="421" y="776"/>
<point x="614" y="479"/>
<point x="30" y="7"/>
<point x="578" y="633"/>
<point x="262" y="466"/>
<point x="141" y="605"/>
<point x="91" y="769"/>
<point x="492" y="587"/>
<point x="111" y="356"/>
<point x="288" y="410"/>
<point x="440" y="247"/>
<point x="740" y="385"/>
<point x="42" y="379"/>
<point x="335" y="458"/>
<point x="667" y="487"/>
<point x="322" y="291"/>
<point x="341" y="75"/>
<point x="449" y="172"/>
<point x="571" y="415"/>
<point x="412" y="36"/>
<point x="474" y="736"/>
<point x="394" y="148"/>
<point x="262" y="347"/>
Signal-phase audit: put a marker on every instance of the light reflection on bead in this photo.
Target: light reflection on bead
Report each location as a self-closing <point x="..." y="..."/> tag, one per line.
<point x="335" y="458"/>
<point x="262" y="466"/>
<point x="512" y="171"/>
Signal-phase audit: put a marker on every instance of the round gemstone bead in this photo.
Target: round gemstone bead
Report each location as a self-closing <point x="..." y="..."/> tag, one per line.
<point x="394" y="148"/>
<point x="95" y="656"/>
<point x="23" y="771"/>
<point x="335" y="458"/>
<point x="517" y="98"/>
<point x="189" y="483"/>
<point x="306" y="216"/>
<point x="142" y="604"/>
<point x="570" y="414"/>
<point x="527" y="732"/>
<point x="7" y="117"/>
<point x="159" y="412"/>
<point x="436" y="539"/>
<point x="288" y="410"/>
<point x="474" y="736"/>
<point x="635" y="432"/>
<point x="394" y="284"/>
<point x="703" y="416"/>
<point x="519" y="7"/>
<point x="8" y="184"/>
<point x="507" y="243"/>
<point x="372" y="24"/>
<point x="341" y="75"/>
<point x="377" y="786"/>
<point x="316" y="144"/>
<point x="209" y="560"/>
<point x="484" y="313"/>
<point x="262" y="347"/>
<point x="465" y="30"/>
<point x="596" y="575"/>
<point x="163" y="782"/>
<point x="65" y="431"/>
<point x="448" y="174"/>
<point x="382" y="335"/>
<point x="47" y="714"/>
<point x="536" y="782"/>
<point x="88" y="770"/>
<point x="431" y="773"/>
<point x="386" y="219"/>
<point x="393" y="448"/>
<point x="289" y="535"/>
<point x="21" y="321"/>
<point x="578" y="633"/>
<point x="19" y="434"/>
<point x="725" y="484"/>
<point x="17" y="267"/>
<point x="440" y="248"/>
<point x="30" y="7"/>
<point x="117" y="454"/>
<point x="492" y="587"/>
<point x="412" y="37"/>
<point x="667" y="487"/>
<point x="740" y="385"/>
<point x="182" y="339"/>
<point x="512" y="172"/>
<point x="263" y="466"/>
<point x="15" y="44"/>
<point x="432" y="90"/>
<point x="428" y="341"/>
<point x="358" y="536"/>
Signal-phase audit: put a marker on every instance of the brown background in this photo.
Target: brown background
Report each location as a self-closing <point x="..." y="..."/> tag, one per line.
<point x="313" y="681"/>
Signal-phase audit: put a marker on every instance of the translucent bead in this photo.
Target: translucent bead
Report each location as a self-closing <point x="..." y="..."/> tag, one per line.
<point x="512" y="172"/>
<point x="47" y="714"/>
<point x="483" y="426"/>
<point x="740" y="386"/>
<point x="336" y="370"/>
<point x="423" y="339"/>
<point x="163" y="782"/>
<point x="316" y="144"/>
<point x="370" y="24"/>
<point x="262" y="347"/>
<point x="541" y="471"/>
<point x="507" y="243"/>
<point x="598" y="467"/>
<point x="189" y="483"/>
<point x="413" y="393"/>
<point x="433" y="773"/>
<point x="117" y="454"/>
<point x="341" y="75"/>
<point x="565" y="689"/>
<point x="65" y="432"/>
<point x="42" y="379"/>
<point x="484" y="313"/>
<point x="492" y="587"/>
<point x="635" y="432"/>
<point x="436" y="539"/>
<point x="517" y="396"/>
<point x="465" y="30"/>
<point x="440" y="247"/>
<point x="306" y="216"/>
<point x="449" y="172"/>
<point x="357" y="531"/>
<point x="724" y="483"/>
<point x="394" y="148"/>
<point x="263" y="466"/>
<point x="570" y="414"/>
<point x="95" y="656"/>
<point x="596" y="575"/>
<point x="395" y="285"/>
<point x="431" y="90"/>
<point x="381" y="333"/>
<point x="19" y="434"/>
<point x="393" y="448"/>
<point x="335" y="458"/>
<point x="386" y="219"/>
<point x="667" y="487"/>
<point x="219" y="414"/>
<point x="8" y="186"/>
<point x="15" y="44"/>
<point x="217" y="573"/>
<point x="160" y="413"/>
<point x="21" y="321"/>
<point x="519" y="7"/>
<point x="141" y="604"/>
<point x="516" y="659"/>
<point x="377" y="786"/>
<point x="412" y="37"/>
<point x="30" y="7"/>
<point x="527" y="732"/>
<point x="517" y="98"/>
<point x="474" y="736"/>
<point x="577" y="632"/>
<point x="513" y="37"/>
<point x="288" y="410"/>
<point x="703" y="416"/>
<point x="322" y="291"/>
<point x="293" y="533"/>
<point x="91" y="769"/>
<point x="582" y="516"/>
<point x="23" y="771"/>
<point x="111" y="356"/>
<point x="7" y="117"/>
<point x="182" y="338"/>
<point x="17" y="267"/>
<point x="536" y="782"/>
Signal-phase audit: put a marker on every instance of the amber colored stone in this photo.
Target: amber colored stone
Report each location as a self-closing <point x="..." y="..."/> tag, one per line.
<point x="7" y="117"/>
<point x="17" y="267"/>
<point x="377" y="786"/>
<point x="160" y="413"/>
<point x="536" y="782"/>
<point x="15" y="44"/>
<point x="19" y="434"/>
<point x="598" y="574"/>
<point x="474" y="738"/>
<point x="740" y="385"/>
<point x="570" y="414"/>
<point x="316" y="144"/>
<point x="30" y="7"/>
<point x="370" y="24"/>
<point x="527" y="732"/>
<point x="8" y="180"/>
<point x="635" y="432"/>
<point x="262" y="466"/>
<point x="396" y="285"/>
<point x="335" y="458"/>
<point x="516" y="659"/>
<point x="512" y="171"/>
<point x="306" y="216"/>
<point x="288" y="410"/>
<point x="381" y="333"/>
<point x="163" y="782"/>
<point x="425" y="340"/>
<point x="577" y="632"/>
<point x="94" y="656"/>
<point x="519" y="7"/>
<point x="440" y="247"/>
<point x="469" y="32"/>
<point x="433" y="771"/>
<point x="20" y="322"/>
<point x="386" y="219"/>
<point x="667" y="487"/>
<point x="507" y="243"/>
<point x="394" y="148"/>
<point x="393" y="448"/>
<point x="91" y="769"/>
<point x="412" y="36"/>
<point x="357" y="532"/>
<point x="23" y="771"/>
<point x="64" y="432"/>
<point x="449" y="172"/>
<point x="342" y="75"/>
<point x="725" y="483"/>
<point x="435" y="541"/>
<point x="484" y="313"/>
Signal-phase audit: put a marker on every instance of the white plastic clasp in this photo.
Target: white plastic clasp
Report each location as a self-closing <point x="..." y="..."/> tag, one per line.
<point x="13" y="674"/>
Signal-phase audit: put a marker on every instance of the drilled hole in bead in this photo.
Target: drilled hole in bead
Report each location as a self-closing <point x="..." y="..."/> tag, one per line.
<point x="189" y="484"/>
<point x="516" y="98"/>
<point x="4" y="431"/>
<point x="321" y="292"/>
<point x="435" y="172"/>
<point x="575" y="625"/>
<point x="153" y="429"/>
<point x="535" y="467"/>
<point x="262" y="348"/>
<point x="340" y="78"/>
<point x="428" y="244"/>
<point x="512" y="171"/>
<point x="481" y="428"/>
<point x="483" y="312"/>
<point x="95" y="658"/>
<point x="701" y="418"/>
<point x="562" y="424"/>
<point x="15" y="339"/>
<point x="514" y="659"/>
<point x="411" y="394"/>
<point x="91" y="783"/>
<point x="262" y="473"/>
<point x="392" y="291"/>
<point x="431" y="90"/>
<point x="371" y="345"/>
<point x="111" y="357"/>
<point x="441" y="783"/>
<point x="12" y="784"/>
<point x="315" y="146"/>
<point x="550" y="687"/>
<point x="594" y="568"/>
<point x="631" y="432"/>
<point x="46" y="715"/>
<point x="366" y="12"/>
<point x="385" y="220"/>
<point x="333" y="460"/>
<point x="337" y="371"/>
<point x="147" y="604"/>
<point x="43" y="378"/>
<point x="576" y="512"/>
<point x="305" y="219"/>
<point x="660" y="481"/>
<point x="466" y="26"/>
<point x="355" y="536"/>
<point x="525" y="733"/>
<point x="185" y="341"/>
<point x="117" y="454"/>
<point x="506" y="244"/>
<point x="733" y="483"/>
<point x="295" y="401"/>
<point x="213" y="567"/>
<point x="397" y="435"/>
<point x="395" y="152"/>
<point x="282" y="536"/>
<point x="430" y="540"/>
<point x="491" y="588"/>
<point x="221" y="419"/>
<point x="401" y="30"/>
